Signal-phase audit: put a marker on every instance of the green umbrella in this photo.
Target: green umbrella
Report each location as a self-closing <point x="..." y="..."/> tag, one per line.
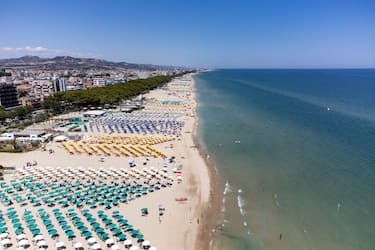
<point x="122" y="237"/>
<point x="117" y="231"/>
<point x="13" y="216"/>
<point x="139" y="236"/>
<point x="87" y="234"/>
<point x="28" y="217"/>
<point x="52" y="231"/>
<point x="47" y="222"/>
<point x="91" y="220"/>
<point x="79" y="224"/>
<point x="50" y="226"/>
<point x="62" y="223"/>
<point x="3" y="229"/>
<point x="19" y="231"/>
<point x="60" y="218"/>
<point x="66" y="227"/>
<point x="133" y="232"/>
<point x="36" y="231"/>
<point x="83" y="228"/>
<point x="104" y="236"/>
<point x="71" y="210"/>
<point x="17" y="225"/>
<point x="95" y="225"/>
<point x="69" y="233"/>
<point x="100" y="212"/>
<point x="32" y="221"/>
<point x="32" y="226"/>
<point x="27" y="212"/>
<point x="99" y="230"/>
<point x="73" y="214"/>
<point x="15" y="221"/>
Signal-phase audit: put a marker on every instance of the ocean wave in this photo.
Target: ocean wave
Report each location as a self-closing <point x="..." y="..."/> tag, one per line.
<point x="241" y="202"/>
<point x="227" y="189"/>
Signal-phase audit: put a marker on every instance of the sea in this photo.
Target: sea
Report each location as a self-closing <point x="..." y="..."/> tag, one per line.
<point x="295" y="152"/>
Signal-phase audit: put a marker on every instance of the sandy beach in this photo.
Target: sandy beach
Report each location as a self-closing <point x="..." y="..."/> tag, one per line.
<point x="184" y="225"/>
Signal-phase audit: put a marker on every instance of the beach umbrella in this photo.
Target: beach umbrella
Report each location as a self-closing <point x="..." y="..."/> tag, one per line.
<point x="152" y="248"/>
<point x="91" y="241"/>
<point x="21" y="236"/>
<point x="78" y="246"/>
<point x="99" y="230"/>
<point x="121" y="237"/>
<point x="23" y="242"/>
<point x="139" y="236"/>
<point x="36" y="231"/>
<point x="146" y="244"/>
<point x="3" y="235"/>
<point x="5" y="242"/>
<point x="128" y="243"/>
<point x="96" y="246"/>
<point x="19" y="231"/>
<point x="52" y="231"/>
<point x="60" y="244"/>
<point x="109" y="241"/>
<point x="133" y="248"/>
<point x="38" y="237"/>
<point x="115" y="247"/>
<point x="41" y="243"/>
<point x="32" y="226"/>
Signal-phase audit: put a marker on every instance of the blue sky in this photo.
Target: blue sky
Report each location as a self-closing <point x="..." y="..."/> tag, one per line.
<point x="243" y="34"/>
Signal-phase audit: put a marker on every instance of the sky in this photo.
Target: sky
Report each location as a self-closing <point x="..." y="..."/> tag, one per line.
<point x="204" y="33"/>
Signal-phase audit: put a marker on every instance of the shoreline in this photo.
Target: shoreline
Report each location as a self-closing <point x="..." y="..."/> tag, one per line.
<point x="211" y="213"/>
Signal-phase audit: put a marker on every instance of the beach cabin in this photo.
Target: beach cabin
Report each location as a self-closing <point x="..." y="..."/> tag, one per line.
<point x="32" y="135"/>
<point x="94" y="113"/>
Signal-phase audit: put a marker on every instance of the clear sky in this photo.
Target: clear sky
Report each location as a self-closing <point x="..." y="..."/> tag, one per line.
<point x="204" y="33"/>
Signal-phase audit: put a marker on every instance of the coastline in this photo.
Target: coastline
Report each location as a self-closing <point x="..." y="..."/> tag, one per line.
<point x="184" y="225"/>
<point x="210" y="213"/>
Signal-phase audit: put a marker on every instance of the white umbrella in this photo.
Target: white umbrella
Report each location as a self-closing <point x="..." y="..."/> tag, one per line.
<point x="21" y="236"/>
<point x="60" y="244"/>
<point x="23" y="243"/>
<point x="115" y="247"/>
<point x="96" y="246"/>
<point x="78" y="245"/>
<point x="38" y="237"/>
<point x="91" y="241"/>
<point x="146" y="243"/>
<point x="133" y="248"/>
<point x="109" y="242"/>
<point x="41" y="243"/>
<point x="152" y="248"/>
<point x="5" y="242"/>
<point x="3" y="235"/>
<point x="127" y="242"/>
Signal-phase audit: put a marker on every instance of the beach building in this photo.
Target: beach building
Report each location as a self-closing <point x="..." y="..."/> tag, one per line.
<point x="26" y="136"/>
<point x="94" y="113"/>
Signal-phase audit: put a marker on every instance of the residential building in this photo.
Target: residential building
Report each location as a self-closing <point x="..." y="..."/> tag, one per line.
<point x="8" y="95"/>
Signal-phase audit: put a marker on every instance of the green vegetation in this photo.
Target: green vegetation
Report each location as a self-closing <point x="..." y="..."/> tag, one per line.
<point x="20" y="112"/>
<point x="111" y="94"/>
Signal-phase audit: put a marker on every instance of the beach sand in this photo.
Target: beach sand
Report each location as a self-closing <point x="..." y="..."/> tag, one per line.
<point x="185" y="225"/>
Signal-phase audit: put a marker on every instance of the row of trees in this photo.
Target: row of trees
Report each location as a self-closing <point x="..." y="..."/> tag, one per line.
<point x="20" y="112"/>
<point x="99" y="96"/>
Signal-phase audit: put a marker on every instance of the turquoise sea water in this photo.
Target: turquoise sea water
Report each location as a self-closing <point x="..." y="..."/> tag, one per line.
<point x="296" y="149"/>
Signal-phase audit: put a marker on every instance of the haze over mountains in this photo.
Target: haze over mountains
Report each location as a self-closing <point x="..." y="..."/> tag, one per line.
<point x="70" y="63"/>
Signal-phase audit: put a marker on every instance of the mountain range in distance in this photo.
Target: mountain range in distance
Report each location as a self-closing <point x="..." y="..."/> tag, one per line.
<point x="74" y="63"/>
